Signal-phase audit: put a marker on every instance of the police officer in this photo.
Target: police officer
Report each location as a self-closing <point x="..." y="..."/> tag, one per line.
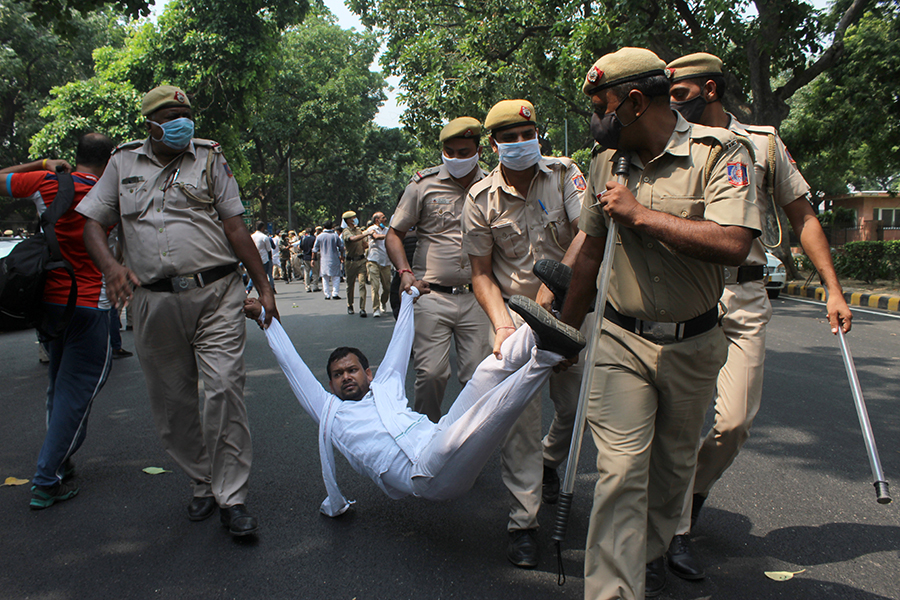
<point x="433" y="204"/>
<point x="183" y="235"/>
<point x="527" y="209"/>
<point x="355" y="244"/>
<point x="696" y="91"/>
<point x="660" y="348"/>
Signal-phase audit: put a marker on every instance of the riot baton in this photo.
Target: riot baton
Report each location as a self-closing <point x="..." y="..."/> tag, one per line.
<point x="623" y="161"/>
<point x="882" y="492"/>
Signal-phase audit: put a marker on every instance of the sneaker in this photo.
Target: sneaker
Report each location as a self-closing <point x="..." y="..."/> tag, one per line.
<point x="376" y="314"/>
<point x="121" y="353"/>
<point x="349" y="310"/>
<point x="68" y="471"/>
<point x="362" y="313"/>
<point x="550" y="333"/>
<point x="46" y="496"/>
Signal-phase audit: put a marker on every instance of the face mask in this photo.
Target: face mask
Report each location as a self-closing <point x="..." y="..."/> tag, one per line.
<point x="519" y="156"/>
<point x="177" y="133"/>
<point x="354" y="222"/>
<point x="608" y="128"/>
<point x="460" y="167"/>
<point x="691" y="109"/>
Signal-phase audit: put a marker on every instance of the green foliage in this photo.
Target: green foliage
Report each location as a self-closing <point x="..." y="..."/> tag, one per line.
<point x="839" y="218"/>
<point x="844" y="128"/>
<point x="61" y="14"/>
<point x="871" y="260"/>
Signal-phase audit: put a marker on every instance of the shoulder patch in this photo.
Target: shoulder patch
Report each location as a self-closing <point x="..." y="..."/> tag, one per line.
<point x="128" y="146"/>
<point x="420" y="175"/>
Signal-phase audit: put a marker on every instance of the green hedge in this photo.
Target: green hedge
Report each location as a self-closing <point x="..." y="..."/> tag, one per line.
<point x="869" y="260"/>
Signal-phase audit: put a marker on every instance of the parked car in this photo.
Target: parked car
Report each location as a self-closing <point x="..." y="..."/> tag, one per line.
<point x="776" y="275"/>
<point x="8" y="323"/>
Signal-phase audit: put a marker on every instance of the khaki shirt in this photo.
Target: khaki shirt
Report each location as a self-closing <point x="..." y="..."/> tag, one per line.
<point x="353" y="250"/>
<point x="433" y="203"/>
<point x="517" y="232"/>
<point x="165" y="231"/>
<point x="649" y="280"/>
<point x="789" y="184"/>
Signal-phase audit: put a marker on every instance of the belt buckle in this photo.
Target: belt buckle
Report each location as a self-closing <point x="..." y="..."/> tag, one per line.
<point x="183" y="283"/>
<point x="658" y="333"/>
<point x="457" y="290"/>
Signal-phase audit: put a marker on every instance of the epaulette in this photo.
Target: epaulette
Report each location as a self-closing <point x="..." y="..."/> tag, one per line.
<point x="127" y="146"/>
<point x="420" y="175"/>
<point x="215" y="146"/>
<point x="597" y="149"/>
<point x="559" y="161"/>
<point x="760" y="129"/>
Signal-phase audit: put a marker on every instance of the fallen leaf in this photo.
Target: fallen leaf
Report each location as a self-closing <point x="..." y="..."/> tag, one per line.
<point x="14" y="481"/>
<point x="782" y="575"/>
<point x="154" y="470"/>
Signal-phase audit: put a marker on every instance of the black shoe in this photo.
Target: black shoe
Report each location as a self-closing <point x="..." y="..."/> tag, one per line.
<point x="362" y="313"/>
<point x="557" y="277"/>
<point x="121" y="353"/>
<point x="238" y="521"/>
<point x="522" y="550"/>
<point x="696" y="504"/>
<point x="335" y="297"/>
<point x="681" y="561"/>
<point x="45" y="496"/>
<point x="201" y="508"/>
<point x="551" y="333"/>
<point x="349" y="310"/>
<point x="656" y="578"/>
<point x="550" y="489"/>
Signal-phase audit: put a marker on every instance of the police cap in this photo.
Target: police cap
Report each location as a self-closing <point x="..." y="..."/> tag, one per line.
<point x="699" y="64"/>
<point x="461" y="127"/>
<point x="163" y="97"/>
<point x="510" y="113"/>
<point x="348" y="215"/>
<point x="622" y="66"/>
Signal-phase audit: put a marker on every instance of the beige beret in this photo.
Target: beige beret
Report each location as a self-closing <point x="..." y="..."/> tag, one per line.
<point x="348" y="215"/>
<point x="622" y="66"/>
<point x="699" y="64"/>
<point x="510" y="113"/>
<point x="461" y="127"/>
<point x="162" y="97"/>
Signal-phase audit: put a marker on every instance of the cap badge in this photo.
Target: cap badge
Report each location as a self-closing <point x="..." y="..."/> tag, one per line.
<point x="179" y="97"/>
<point x="670" y="73"/>
<point x="594" y="74"/>
<point x="525" y="112"/>
<point x="468" y="133"/>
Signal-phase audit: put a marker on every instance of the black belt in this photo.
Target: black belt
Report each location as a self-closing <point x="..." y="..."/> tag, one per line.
<point x="455" y="290"/>
<point x="183" y="283"/>
<point x="745" y="273"/>
<point x="352" y="258"/>
<point x="664" y="333"/>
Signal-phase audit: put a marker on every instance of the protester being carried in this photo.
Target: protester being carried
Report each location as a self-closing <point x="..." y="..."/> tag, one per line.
<point x="367" y="418"/>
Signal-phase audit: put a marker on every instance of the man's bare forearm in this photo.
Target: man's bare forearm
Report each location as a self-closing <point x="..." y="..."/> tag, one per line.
<point x="814" y="242"/>
<point x="704" y="240"/>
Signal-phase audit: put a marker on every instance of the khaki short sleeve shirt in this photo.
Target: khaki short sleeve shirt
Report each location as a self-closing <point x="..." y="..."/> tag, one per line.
<point x="353" y="250"/>
<point x="517" y="232"/>
<point x="649" y="280"/>
<point x="789" y="182"/>
<point x="171" y="221"/>
<point x="433" y="203"/>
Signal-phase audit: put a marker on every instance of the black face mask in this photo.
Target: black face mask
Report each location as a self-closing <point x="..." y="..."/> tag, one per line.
<point x="691" y="109"/>
<point x="607" y="128"/>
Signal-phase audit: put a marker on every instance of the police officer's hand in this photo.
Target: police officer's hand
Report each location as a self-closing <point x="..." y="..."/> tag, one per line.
<point x="500" y="335"/>
<point x="619" y="203"/>
<point x="407" y="279"/>
<point x="564" y="365"/>
<point x="423" y="288"/>
<point x="838" y="313"/>
<point x="120" y="284"/>
<point x="545" y="298"/>
<point x="267" y="299"/>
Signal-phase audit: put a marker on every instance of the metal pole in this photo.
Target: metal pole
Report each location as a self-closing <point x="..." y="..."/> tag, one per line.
<point x="289" y="201"/>
<point x="567" y="136"/>
<point x="623" y="162"/>
<point x="882" y="492"/>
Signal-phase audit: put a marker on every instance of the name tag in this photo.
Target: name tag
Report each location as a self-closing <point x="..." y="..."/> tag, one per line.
<point x="444" y="201"/>
<point x="135" y="179"/>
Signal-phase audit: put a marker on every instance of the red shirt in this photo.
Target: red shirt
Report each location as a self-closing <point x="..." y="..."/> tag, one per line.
<point x="41" y="186"/>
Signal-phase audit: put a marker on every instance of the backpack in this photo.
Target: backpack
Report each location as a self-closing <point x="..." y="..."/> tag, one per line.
<point x="23" y="272"/>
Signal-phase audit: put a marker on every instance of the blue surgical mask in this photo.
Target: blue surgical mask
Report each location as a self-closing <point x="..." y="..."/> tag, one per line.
<point x="519" y="156"/>
<point x="177" y="133"/>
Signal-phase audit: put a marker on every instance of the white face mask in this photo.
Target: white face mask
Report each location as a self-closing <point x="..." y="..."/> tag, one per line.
<point x="460" y="167"/>
<point x="519" y="156"/>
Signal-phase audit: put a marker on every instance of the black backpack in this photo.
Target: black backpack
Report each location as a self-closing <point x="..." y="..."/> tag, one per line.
<point x="23" y="272"/>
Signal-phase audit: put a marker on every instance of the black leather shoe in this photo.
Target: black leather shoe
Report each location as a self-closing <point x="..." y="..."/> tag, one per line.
<point x="201" y="508"/>
<point x="681" y="560"/>
<point x="522" y="550"/>
<point x="550" y="488"/>
<point x="550" y="333"/>
<point x="349" y="310"/>
<point x="362" y="313"/>
<point x="696" y="504"/>
<point x="556" y="276"/>
<point x="656" y="578"/>
<point x="238" y="521"/>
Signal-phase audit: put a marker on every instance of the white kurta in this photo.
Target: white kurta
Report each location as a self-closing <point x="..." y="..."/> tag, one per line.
<point x="329" y="245"/>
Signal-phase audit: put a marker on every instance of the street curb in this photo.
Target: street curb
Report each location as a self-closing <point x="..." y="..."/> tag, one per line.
<point x="882" y="301"/>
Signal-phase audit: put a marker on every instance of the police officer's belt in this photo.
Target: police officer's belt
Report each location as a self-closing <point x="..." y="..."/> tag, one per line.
<point x="183" y="283"/>
<point x="664" y="333"/>
<point x="455" y="290"/>
<point x="744" y="274"/>
<point x="352" y="258"/>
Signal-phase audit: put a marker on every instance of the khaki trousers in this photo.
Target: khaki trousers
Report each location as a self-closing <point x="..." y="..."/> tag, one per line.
<point x="180" y="338"/>
<point x="524" y="454"/>
<point x="739" y="387"/>
<point x="646" y="410"/>
<point x="380" y="280"/>
<point x="356" y="271"/>
<point x="438" y="317"/>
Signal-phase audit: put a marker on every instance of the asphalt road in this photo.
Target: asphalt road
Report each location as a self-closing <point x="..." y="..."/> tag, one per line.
<point x="799" y="497"/>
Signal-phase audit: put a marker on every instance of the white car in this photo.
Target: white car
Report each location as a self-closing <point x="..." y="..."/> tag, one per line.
<point x="776" y="275"/>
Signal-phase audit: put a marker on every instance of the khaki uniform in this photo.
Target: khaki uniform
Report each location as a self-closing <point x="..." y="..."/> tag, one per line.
<point x="433" y="203"/>
<point x="648" y="400"/>
<point x="517" y="232"/>
<point x="171" y="224"/>
<point x="747" y="311"/>
<point x="355" y="265"/>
